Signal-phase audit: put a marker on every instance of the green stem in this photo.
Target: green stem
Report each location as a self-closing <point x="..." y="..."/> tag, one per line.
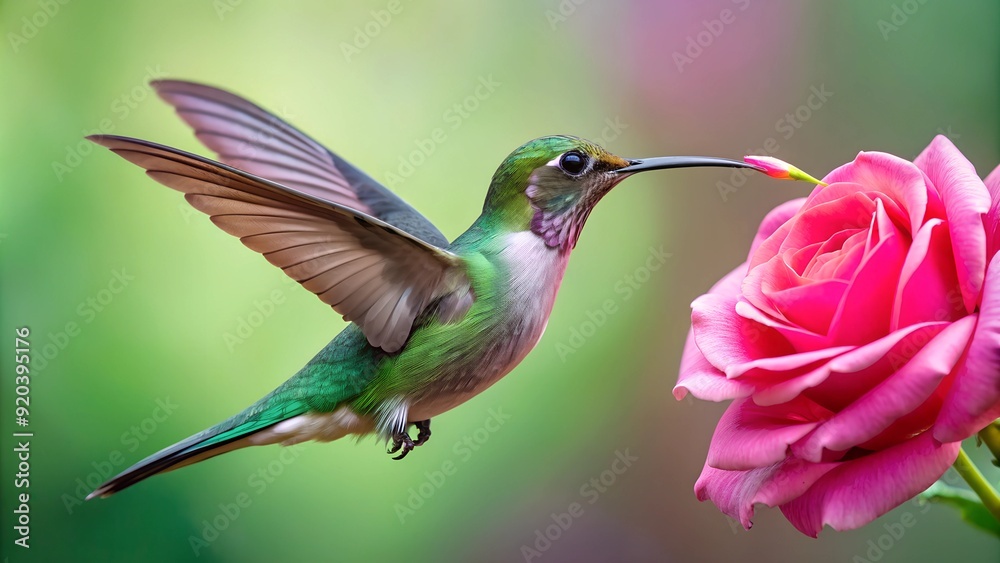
<point x="991" y="437"/>
<point x="978" y="483"/>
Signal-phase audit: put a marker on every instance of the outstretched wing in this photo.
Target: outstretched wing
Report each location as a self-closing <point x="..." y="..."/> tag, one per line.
<point x="374" y="274"/>
<point x="250" y="138"/>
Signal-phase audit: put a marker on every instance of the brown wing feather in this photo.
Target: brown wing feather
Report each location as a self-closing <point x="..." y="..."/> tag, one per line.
<point x="250" y="138"/>
<point x="369" y="271"/>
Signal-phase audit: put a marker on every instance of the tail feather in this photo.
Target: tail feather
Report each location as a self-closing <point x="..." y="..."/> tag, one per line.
<point x="225" y="437"/>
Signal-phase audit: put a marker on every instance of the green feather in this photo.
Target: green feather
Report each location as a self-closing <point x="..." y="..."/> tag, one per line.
<point x="337" y="373"/>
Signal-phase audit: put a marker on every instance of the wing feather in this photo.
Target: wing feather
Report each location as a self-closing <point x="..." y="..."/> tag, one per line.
<point x="374" y="274"/>
<point x="250" y="138"/>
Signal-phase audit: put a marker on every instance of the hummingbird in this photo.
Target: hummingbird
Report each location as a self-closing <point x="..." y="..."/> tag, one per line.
<point x="432" y="323"/>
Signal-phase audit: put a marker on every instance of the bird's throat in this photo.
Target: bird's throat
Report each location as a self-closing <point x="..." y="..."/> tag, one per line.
<point x="560" y="229"/>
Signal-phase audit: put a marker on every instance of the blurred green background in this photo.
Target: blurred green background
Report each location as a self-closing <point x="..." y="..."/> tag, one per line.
<point x="150" y="364"/>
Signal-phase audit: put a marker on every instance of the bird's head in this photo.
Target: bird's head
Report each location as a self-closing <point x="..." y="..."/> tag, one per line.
<point x="551" y="184"/>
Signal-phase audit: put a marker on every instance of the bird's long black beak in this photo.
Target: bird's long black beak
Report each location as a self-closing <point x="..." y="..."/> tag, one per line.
<point x="664" y="162"/>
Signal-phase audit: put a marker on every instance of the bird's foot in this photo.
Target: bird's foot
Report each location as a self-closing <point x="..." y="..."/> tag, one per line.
<point x="423" y="432"/>
<point x="402" y="440"/>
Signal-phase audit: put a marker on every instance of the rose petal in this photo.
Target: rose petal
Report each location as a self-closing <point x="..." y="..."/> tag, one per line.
<point x="727" y="339"/>
<point x="974" y="398"/>
<point x="801" y="340"/>
<point x="774" y="220"/>
<point x="853" y="375"/>
<point x="783" y="366"/>
<point x="750" y="436"/>
<point x="703" y="380"/>
<point x="992" y="183"/>
<point x="854" y="190"/>
<point x="794" y="478"/>
<point x="928" y="285"/>
<point x="729" y="285"/>
<point x="992" y="219"/>
<point x="810" y="306"/>
<point x="736" y="492"/>
<point x="896" y="396"/>
<point x="776" y="289"/>
<point x="919" y="420"/>
<point x="866" y="308"/>
<point x="889" y="349"/>
<point x="830" y="219"/>
<point x="733" y="492"/>
<point x="798" y="260"/>
<point x="697" y="375"/>
<point x="818" y="222"/>
<point x="860" y="490"/>
<point x="899" y="179"/>
<point x="841" y="263"/>
<point x="772" y="267"/>
<point x="966" y="200"/>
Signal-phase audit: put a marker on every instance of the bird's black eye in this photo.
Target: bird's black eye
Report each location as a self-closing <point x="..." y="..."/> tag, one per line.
<point x="573" y="163"/>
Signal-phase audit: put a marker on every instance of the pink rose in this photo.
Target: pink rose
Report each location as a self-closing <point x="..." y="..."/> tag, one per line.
<point x="860" y="342"/>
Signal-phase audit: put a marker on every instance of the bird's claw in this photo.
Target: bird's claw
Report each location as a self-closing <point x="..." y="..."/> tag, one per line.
<point x="402" y="440"/>
<point x="423" y="432"/>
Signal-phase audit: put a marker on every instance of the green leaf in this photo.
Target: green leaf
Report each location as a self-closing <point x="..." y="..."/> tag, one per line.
<point x="969" y="506"/>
